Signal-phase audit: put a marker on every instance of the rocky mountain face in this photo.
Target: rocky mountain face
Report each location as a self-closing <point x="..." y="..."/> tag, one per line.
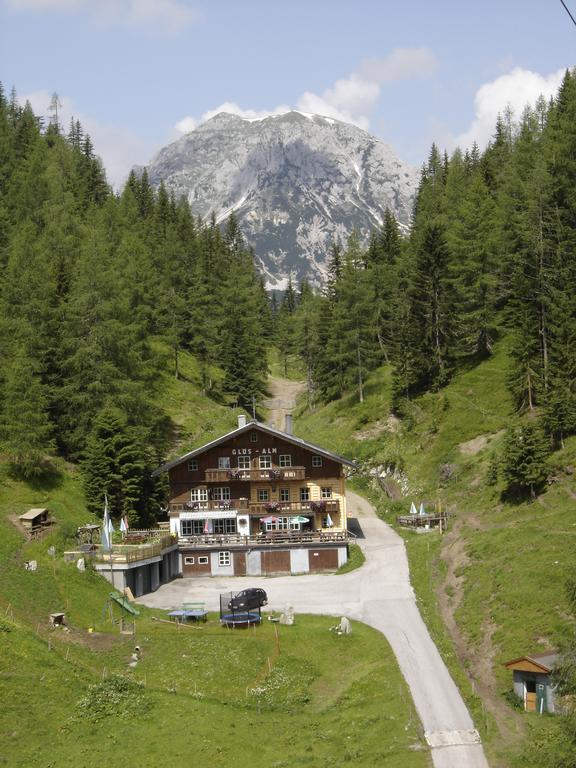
<point x="296" y="182"/>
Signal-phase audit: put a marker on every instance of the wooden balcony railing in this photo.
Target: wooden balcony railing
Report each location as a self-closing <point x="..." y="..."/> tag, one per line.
<point x="321" y="507"/>
<point x="274" y="474"/>
<point x="271" y="538"/>
<point x="211" y="505"/>
<point x="129" y="553"/>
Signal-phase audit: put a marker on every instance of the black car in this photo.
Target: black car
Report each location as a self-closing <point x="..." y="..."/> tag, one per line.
<point x="248" y="599"/>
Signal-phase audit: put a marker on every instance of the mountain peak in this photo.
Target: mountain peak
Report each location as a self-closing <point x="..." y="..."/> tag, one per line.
<point x="296" y="181"/>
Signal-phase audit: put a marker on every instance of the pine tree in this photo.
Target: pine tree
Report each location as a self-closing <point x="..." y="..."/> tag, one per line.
<point x="525" y="452"/>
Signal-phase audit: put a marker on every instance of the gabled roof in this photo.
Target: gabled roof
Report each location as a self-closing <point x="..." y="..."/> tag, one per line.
<point x="248" y="427"/>
<point x="543" y="662"/>
<point x="32" y="514"/>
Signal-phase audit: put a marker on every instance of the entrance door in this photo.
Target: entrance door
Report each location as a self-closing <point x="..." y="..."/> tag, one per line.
<point x="530" y="695"/>
<point x="540" y="697"/>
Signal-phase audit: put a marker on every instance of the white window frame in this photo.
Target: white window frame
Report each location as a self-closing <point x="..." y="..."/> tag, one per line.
<point x="326" y="492"/>
<point x="198" y="495"/>
<point x="285" y="460"/>
<point x="263" y="494"/>
<point x="192" y="465"/>
<point x="265" y="461"/>
<point x="188" y="560"/>
<point x="223" y="462"/>
<point x="243" y="462"/>
<point x="203" y="560"/>
<point x="224" y="559"/>
<point x="316" y="460"/>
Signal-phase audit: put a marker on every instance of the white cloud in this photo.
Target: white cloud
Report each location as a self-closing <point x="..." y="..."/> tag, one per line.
<point x="518" y="88"/>
<point x="165" y="16"/>
<point x="351" y="99"/>
<point x="119" y="148"/>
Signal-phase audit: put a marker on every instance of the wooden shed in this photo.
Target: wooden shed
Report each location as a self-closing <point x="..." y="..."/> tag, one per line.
<point x="531" y="680"/>
<point x="35" y="520"/>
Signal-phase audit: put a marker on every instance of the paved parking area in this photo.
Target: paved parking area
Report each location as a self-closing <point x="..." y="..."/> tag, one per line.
<point x="380" y="595"/>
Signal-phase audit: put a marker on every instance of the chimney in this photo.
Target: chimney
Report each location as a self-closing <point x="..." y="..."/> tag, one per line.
<point x="241" y="420"/>
<point x="288" y="428"/>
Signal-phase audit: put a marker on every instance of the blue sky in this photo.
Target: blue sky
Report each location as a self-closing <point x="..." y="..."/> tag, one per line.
<point x="139" y="72"/>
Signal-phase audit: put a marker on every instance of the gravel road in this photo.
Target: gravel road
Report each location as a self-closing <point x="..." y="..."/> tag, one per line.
<point x="380" y="595"/>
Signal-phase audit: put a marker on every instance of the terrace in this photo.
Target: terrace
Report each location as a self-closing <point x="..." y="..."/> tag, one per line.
<point x="269" y="538"/>
<point x="135" y="546"/>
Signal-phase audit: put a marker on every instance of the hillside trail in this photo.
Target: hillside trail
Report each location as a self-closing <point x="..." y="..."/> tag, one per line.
<point x="282" y="400"/>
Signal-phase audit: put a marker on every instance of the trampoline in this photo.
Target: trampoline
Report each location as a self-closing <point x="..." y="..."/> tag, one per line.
<point x="244" y="619"/>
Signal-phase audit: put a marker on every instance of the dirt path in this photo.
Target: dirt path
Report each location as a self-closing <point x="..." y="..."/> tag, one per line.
<point x="479" y="661"/>
<point x="284" y="394"/>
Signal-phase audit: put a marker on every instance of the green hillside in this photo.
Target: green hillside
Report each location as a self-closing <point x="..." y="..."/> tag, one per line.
<point x="497" y="579"/>
<point x="202" y="694"/>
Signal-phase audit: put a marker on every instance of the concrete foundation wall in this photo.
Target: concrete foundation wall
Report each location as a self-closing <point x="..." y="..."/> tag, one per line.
<point x="342" y="556"/>
<point x="254" y="563"/>
<point x="299" y="562"/>
<point x="220" y="570"/>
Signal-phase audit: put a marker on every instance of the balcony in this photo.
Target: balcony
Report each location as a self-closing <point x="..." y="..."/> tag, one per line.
<point x="321" y="507"/>
<point x="274" y="474"/>
<point x="211" y="505"/>
<point x="269" y="539"/>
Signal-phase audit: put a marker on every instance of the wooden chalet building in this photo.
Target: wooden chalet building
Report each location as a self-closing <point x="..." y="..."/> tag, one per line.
<point x="258" y="501"/>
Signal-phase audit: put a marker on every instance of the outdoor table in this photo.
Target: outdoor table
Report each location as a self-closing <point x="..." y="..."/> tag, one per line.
<point x="183" y="616"/>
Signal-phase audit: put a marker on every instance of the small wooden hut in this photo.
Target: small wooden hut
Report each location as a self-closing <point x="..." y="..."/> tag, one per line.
<point x="35" y="521"/>
<point x="531" y="680"/>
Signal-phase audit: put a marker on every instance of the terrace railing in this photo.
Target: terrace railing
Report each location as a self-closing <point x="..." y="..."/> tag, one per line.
<point x="272" y="538"/>
<point x="310" y="507"/>
<point x="251" y="475"/>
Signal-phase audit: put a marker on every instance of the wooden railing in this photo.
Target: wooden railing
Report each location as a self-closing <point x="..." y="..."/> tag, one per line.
<point x="270" y="538"/>
<point x="240" y="505"/>
<point x="274" y="474"/>
<point x="321" y="507"/>
<point x="129" y="553"/>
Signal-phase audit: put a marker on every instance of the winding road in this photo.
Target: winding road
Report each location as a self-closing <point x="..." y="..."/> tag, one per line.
<point x="379" y="594"/>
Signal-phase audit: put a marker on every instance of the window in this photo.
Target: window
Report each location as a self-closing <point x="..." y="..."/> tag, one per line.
<point x="223" y="559"/>
<point x="263" y="494"/>
<point x="191" y="527"/>
<point x="316" y="460"/>
<point x="223" y="462"/>
<point x="265" y="462"/>
<point x="283" y="524"/>
<point x="192" y="465"/>
<point x="253" y="437"/>
<point x="243" y="462"/>
<point x="326" y="493"/>
<point x="199" y="494"/>
<point x="227" y="525"/>
<point x="221" y="494"/>
<point x="188" y="561"/>
<point x="304" y="494"/>
<point x="284" y="494"/>
<point x="203" y="560"/>
<point x="285" y="460"/>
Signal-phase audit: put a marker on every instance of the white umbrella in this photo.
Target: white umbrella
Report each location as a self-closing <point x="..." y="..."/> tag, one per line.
<point x="422" y="510"/>
<point x="123" y="524"/>
<point x="110" y="526"/>
<point x="329" y="522"/>
<point x="413" y="510"/>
